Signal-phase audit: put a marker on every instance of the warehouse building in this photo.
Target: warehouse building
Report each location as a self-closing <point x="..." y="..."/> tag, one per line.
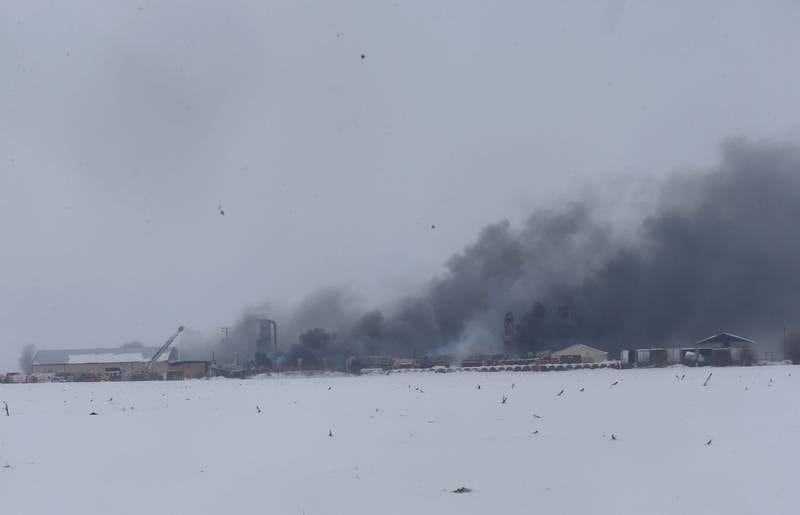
<point x="116" y="363"/>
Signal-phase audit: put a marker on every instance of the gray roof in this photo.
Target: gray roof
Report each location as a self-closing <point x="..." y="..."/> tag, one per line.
<point x="83" y="356"/>
<point x="724" y="338"/>
<point x="575" y="347"/>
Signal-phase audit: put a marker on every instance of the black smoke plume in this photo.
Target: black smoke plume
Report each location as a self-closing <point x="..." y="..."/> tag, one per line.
<point x="717" y="250"/>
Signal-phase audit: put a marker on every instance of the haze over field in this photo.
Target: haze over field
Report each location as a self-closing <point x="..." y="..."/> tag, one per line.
<point x="126" y="129"/>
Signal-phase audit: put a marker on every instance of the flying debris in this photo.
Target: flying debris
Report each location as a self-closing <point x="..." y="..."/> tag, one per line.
<point x="462" y="490"/>
<point x="708" y="378"/>
<point x="559" y="394"/>
<point x="330" y="433"/>
<point x="536" y="432"/>
<point x="683" y="377"/>
<point x="478" y="387"/>
<point x="330" y="387"/>
<point x="258" y="409"/>
<point x="93" y="413"/>
<point x="433" y="226"/>
<point x="221" y="211"/>
<point x="709" y="441"/>
<point x="536" y="416"/>
<point x="615" y="383"/>
<point x="505" y="398"/>
<point x="363" y="56"/>
<point x="613" y="436"/>
<point x="581" y="389"/>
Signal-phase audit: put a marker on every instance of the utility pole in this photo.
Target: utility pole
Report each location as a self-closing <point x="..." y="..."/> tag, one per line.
<point x="225" y="332"/>
<point x="223" y="341"/>
<point x="785" y="349"/>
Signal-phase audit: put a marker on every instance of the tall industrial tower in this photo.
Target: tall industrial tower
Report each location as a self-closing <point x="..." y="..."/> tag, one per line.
<point x="508" y="333"/>
<point x="267" y="343"/>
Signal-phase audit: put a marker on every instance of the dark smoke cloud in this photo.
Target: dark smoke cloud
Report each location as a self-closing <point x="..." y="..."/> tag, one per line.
<point x="335" y="309"/>
<point x="717" y="251"/>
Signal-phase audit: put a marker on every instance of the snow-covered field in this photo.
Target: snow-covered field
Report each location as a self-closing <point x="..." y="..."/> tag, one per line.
<point x="401" y="443"/>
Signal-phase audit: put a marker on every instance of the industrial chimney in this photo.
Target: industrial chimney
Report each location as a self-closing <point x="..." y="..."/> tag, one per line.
<point x="267" y="343"/>
<point x="508" y="333"/>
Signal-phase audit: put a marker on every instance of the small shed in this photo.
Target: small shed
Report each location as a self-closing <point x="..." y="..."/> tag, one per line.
<point x="586" y="353"/>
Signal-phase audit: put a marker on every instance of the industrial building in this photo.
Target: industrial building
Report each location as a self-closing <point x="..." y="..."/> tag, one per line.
<point x="582" y="353"/>
<point x="720" y="350"/>
<point x="126" y="362"/>
<point x="113" y="363"/>
<point x="188" y="369"/>
<point x="717" y="350"/>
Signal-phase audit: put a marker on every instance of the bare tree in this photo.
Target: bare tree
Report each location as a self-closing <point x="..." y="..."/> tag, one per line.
<point x="26" y="358"/>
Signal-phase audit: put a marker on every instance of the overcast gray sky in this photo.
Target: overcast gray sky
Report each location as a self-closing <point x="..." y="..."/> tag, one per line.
<point x="124" y="125"/>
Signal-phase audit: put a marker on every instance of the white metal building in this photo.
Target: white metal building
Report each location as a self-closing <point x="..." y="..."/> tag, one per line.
<point x="587" y="354"/>
<point x="110" y="362"/>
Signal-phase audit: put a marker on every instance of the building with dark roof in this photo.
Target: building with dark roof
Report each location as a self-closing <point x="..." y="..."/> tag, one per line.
<point x="720" y="350"/>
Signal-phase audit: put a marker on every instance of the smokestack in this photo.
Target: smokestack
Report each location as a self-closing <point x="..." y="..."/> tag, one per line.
<point x="508" y="332"/>
<point x="267" y="342"/>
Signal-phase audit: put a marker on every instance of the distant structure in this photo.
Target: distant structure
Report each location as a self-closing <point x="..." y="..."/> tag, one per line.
<point x="267" y="343"/>
<point x="188" y="369"/>
<point x="581" y="354"/>
<point x="724" y="341"/>
<point x="111" y="363"/>
<point x="719" y="350"/>
<point x="508" y="333"/>
<point x="129" y="362"/>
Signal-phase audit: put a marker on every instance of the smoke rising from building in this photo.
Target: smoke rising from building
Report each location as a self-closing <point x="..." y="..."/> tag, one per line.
<point x="717" y="250"/>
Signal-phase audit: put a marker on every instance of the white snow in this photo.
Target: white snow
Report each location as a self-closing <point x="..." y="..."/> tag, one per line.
<point x="402" y="442"/>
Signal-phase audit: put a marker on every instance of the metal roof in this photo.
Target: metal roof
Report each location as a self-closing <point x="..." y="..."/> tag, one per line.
<point x="84" y="356"/>
<point x="724" y="338"/>
<point x="576" y="347"/>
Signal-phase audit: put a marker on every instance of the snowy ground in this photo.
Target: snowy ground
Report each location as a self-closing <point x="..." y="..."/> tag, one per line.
<point x="402" y="442"/>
